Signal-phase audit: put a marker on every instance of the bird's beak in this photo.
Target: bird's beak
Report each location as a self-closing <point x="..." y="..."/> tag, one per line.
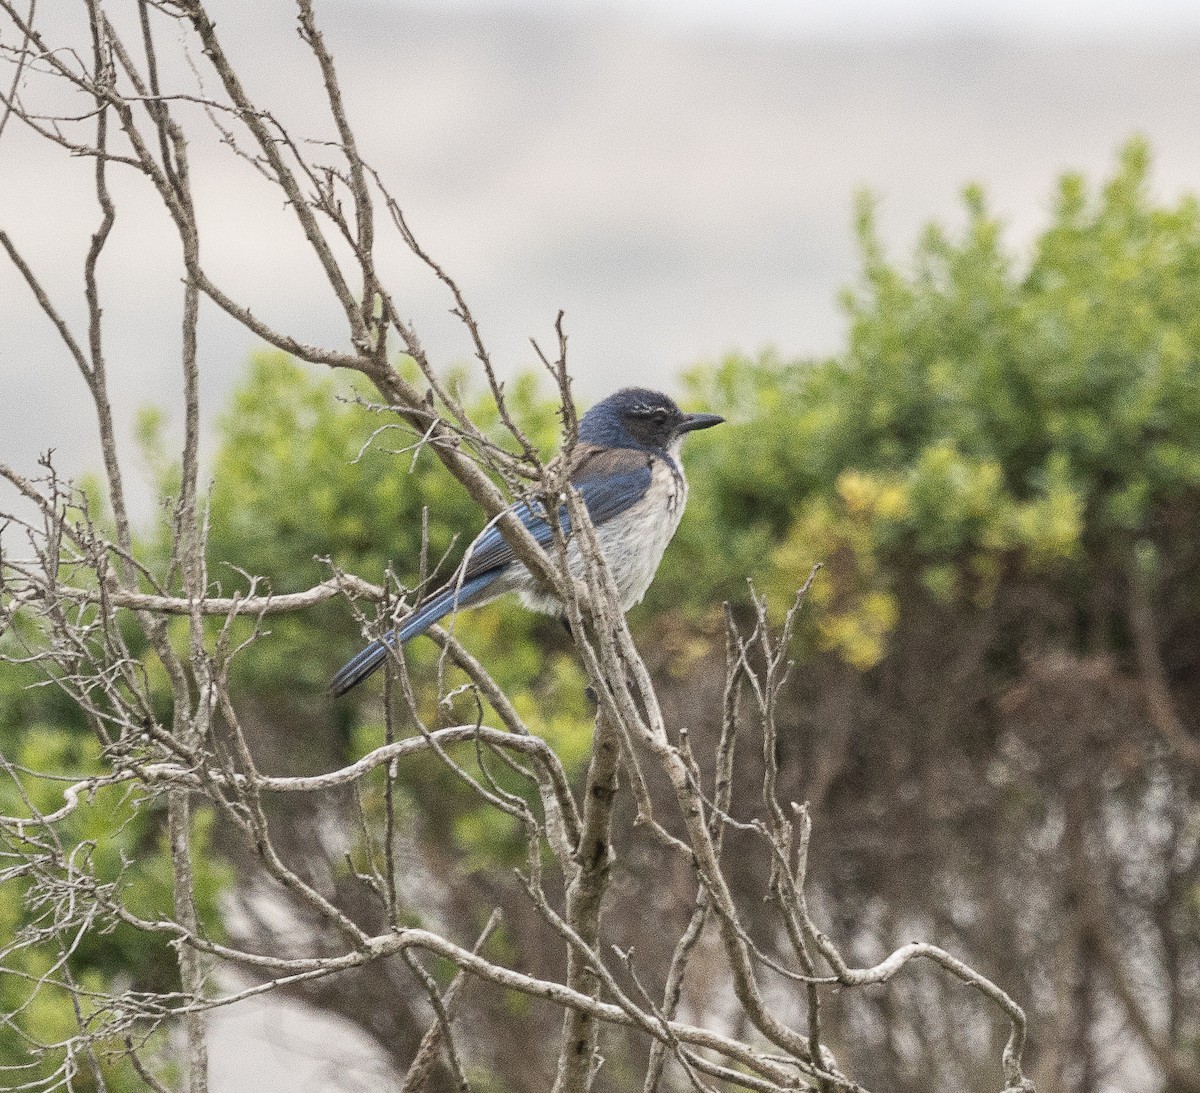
<point x="698" y="421"/>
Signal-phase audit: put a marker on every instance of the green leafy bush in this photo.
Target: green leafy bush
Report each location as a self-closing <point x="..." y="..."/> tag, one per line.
<point x="987" y="417"/>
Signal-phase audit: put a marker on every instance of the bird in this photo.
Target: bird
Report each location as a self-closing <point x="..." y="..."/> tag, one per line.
<point x="626" y="466"/>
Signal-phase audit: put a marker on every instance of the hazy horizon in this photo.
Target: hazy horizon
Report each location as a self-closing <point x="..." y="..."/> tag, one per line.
<point x="679" y="191"/>
<point x="862" y="18"/>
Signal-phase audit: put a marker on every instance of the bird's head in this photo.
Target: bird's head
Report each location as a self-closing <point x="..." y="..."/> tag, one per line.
<point x="637" y="418"/>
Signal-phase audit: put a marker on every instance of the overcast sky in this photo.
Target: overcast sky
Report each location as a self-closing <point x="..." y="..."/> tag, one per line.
<point x="889" y="16"/>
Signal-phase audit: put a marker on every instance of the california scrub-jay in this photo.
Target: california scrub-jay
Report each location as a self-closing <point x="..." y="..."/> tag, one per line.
<point x="627" y="470"/>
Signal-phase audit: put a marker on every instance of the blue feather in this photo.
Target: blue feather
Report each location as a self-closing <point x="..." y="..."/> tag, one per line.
<point x="438" y="606"/>
<point x="605" y="494"/>
<point x="604" y="497"/>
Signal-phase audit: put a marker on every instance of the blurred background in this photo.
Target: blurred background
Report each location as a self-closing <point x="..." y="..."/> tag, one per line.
<point x="678" y="177"/>
<point x="993" y="442"/>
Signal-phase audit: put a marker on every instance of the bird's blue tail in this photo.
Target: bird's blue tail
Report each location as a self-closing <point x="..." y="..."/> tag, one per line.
<point x="436" y="607"/>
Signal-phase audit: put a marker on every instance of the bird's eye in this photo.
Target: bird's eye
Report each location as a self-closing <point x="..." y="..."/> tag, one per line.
<point x="659" y="416"/>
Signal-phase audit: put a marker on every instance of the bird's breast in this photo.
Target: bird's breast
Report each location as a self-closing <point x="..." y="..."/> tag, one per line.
<point x="634" y="542"/>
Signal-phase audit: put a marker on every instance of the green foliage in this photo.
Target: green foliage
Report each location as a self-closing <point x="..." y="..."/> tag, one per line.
<point x="42" y="730"/>
<point x="304" y="474"/>
<point x="985" y="418"/>
<point x="300" y="478"/>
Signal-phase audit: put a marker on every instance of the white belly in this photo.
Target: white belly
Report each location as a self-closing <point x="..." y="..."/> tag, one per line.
<point x="633" y="543"/>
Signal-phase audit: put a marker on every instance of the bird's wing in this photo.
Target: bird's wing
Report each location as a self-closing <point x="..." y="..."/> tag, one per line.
<point x="609" y="480"/>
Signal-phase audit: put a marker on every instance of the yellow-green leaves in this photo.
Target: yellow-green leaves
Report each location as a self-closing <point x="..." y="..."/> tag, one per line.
<point x="991" y="417"/>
